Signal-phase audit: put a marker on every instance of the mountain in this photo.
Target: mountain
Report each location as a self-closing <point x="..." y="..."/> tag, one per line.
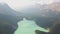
<point x="55" y="6"/>
<point x="6" y="10"/>
<point x="8" y="19"/>
<point x="52" y="13"/>
<point x="43" y="15"/>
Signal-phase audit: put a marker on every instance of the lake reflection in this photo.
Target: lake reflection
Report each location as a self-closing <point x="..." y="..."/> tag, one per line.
<point x="28" y="27"/>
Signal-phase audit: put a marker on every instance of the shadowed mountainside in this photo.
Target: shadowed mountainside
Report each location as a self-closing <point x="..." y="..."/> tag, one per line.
<point x="8" y="19"/>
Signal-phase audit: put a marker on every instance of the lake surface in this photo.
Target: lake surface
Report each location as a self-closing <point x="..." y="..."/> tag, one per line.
<point x="28" y="27"/>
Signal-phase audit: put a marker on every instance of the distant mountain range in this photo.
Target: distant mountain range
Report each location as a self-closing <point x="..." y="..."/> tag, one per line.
<point x="44" y="15"/>
<point x="55" y="6"/>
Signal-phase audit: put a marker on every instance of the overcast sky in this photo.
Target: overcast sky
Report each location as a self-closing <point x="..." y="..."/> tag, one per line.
<point x="23" y="3"/>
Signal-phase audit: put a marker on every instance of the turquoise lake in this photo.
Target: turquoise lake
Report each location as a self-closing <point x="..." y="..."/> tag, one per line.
<point x="28" y="27"/>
